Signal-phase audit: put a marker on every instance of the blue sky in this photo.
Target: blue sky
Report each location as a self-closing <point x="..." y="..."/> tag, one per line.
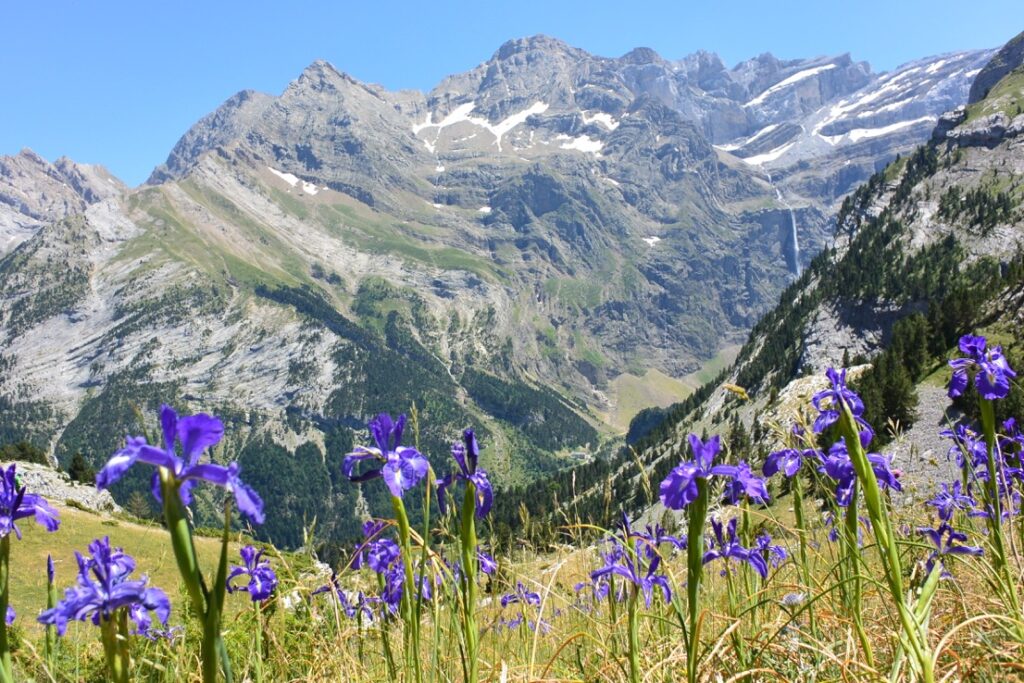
<point x="117" y="83"/>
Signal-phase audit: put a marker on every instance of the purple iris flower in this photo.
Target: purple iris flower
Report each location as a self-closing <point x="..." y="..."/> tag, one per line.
<point x="485" y="561"/>
<point x="725" y="545"/>
<point x="171" y="634"/>
<point x="401" y="467"/>
<point x="679" y="488"/>
<point x="993" y="372"/>
<point x="394" y="584"/>
<point x="262" y="579"/>
<point x="377" y="553"/>
<point x="488" y="565"/>
<point x="1012" y="438"/>
<point x="946" y="541"/>
<point x="788" y="461"/>
<point x="745" y="483"/>
<point x="520" y="595"/>
<point x="949" y="499"/>
<point x="361" y="605"/>
<point x="16" y="504"/>
<point x="639" y="567"/>
<point x="103" y="587"/>
<point x="833" y="534"/>
<point x="194" y="434"/>
<point x="543" y="626"/>
<point x="10" y="616"/>
<point x="828" y="402"/>
<point x="774" y="554"/>
<point x="513" y="623"/>
<point x="466" y="455"/>
<point x="654" y="537"/>
<point x="838" y="466"/>
<point x="967" y="446"/>
<point x="599" y="588"/>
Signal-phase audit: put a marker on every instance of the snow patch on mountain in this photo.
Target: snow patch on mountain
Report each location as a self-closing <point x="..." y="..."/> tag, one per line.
<point x="583" y="143"/>
<point x="733" y="146"/>
<point x="786" y="82"/>
<point x="461" y="114"/>
<point x="293" y="180"/>
<point x="858" y="134"/>
<point x="289" y="178"/>
<point x="759" y="159"/>
<point x="605" y="119"/>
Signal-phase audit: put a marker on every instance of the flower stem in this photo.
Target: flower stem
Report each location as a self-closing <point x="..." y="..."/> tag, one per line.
<point x="886" y="542"/>
<point x="258" y="641"/>
<point x="850" y="536"/>
<point x="115" y="646"/>
<point x="634" y="635"/>
<point x="6" y="668"/>
<point x="50" y="644"/>
<point x="801" y="525"/>
<point x="181" y="542"/>
<point x="469" y="543"/>
<point x="995" y="519"/>
<point x="412" y="626"/>
<point x="738" y="641"/>
<point x="698" y="511"/>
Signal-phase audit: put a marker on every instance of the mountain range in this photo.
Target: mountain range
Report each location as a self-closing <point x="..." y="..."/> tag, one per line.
<point x="930" y="248"/>
<point x="531" y="247"/>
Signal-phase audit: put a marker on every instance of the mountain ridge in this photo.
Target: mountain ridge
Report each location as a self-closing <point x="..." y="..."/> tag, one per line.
<point x="503" y="250"/>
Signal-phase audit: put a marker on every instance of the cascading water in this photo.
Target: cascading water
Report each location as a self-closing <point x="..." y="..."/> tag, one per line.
<point x="794" y="240"/>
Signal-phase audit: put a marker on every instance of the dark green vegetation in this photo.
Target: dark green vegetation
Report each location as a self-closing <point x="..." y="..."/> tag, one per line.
<point x="978" y="207"/>
<point x="24" y="451"/>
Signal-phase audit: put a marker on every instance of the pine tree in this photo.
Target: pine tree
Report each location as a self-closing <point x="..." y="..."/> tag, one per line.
<point x="80" y="470"/>
<point x="138" y="506"/>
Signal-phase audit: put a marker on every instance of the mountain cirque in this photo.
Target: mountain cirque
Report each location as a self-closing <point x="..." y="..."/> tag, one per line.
<point x="548" y="220"/>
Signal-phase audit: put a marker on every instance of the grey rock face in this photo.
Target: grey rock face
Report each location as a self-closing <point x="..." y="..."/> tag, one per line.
<point x="948" y="121"/>
<point x="34" y="192"/>
<point x="230" y="121"/>
<point x="57" y="488"/>
<point x="988" y="130"/>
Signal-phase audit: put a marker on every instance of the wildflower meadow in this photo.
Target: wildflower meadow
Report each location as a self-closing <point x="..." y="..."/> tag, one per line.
<point x="797" y="568"/>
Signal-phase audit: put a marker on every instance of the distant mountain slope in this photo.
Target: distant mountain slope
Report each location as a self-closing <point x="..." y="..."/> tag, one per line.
<point x="34" y="192"/>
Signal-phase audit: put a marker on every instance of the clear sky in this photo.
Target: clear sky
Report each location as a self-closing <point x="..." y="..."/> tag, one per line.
<point x="116" y="83"/>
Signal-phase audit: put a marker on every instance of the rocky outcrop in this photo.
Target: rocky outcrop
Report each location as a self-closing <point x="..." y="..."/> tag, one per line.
<point x="1009" y="57"/>
<point x="948" y="121"/>
<point x="987" y="131"/>
<point x="58" y="489"/>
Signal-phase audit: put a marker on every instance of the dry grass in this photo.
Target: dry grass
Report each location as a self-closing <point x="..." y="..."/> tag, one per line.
<point x="316" y="642"/>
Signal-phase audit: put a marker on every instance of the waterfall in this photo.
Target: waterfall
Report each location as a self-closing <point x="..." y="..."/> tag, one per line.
<point x="795" y="241"/>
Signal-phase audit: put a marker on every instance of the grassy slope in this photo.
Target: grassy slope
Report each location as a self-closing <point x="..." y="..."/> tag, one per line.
<point x="631" y="393"/>
<point x="1006" y="96"/>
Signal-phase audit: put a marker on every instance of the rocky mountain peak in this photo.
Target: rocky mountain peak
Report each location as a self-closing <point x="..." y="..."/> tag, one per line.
<point x="642" y="55"/>
<point x="535" y="43"/>
<point x="238" y="113"/>
<point x="322" y="76"/>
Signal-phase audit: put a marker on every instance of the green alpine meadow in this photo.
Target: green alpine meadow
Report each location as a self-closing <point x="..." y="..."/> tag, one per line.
<point x="559" y="368"/>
